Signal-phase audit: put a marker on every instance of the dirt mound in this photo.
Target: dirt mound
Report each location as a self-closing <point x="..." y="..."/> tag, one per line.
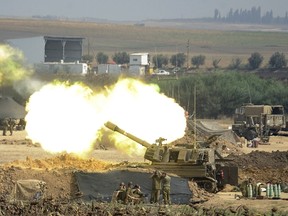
<point x="61" y="182"/>
<point x="57" y="172"/>
<point x="64" y="161"/>
<point x="263" y="166"/>
<point x="262" y="159"/>
<point x="199" y="194"/>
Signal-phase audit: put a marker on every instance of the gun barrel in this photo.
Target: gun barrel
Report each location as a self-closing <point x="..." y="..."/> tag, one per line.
<point x="114" y="127"/>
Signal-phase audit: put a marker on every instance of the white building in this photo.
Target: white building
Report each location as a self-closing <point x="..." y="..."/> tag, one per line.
<point x="139" y="63"/>
<point x="109" y="69"/>
<point x="139" y="59"/>
<point x="75" y="68"/>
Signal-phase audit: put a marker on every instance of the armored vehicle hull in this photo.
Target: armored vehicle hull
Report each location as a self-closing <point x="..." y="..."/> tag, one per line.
<point x="199" y="164"/>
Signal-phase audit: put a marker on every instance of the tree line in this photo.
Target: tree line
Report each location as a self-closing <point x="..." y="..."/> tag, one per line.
<point x="218" y="94"/>
<point x="250" y="16"/>
<point x="277" y="60"/>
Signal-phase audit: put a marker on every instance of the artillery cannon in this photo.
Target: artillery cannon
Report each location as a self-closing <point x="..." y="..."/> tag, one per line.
<point x="187" y="161"/>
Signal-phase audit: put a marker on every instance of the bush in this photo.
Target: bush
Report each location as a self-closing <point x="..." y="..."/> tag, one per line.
<point x="198" y="60"/>
<point x="121" y="58"/>
<point x="255" y="60"/>
<point x="278" y="60"/>
<point x="178" y="60"/>
<point x="102" y="58"/>
<point x="235" y="63"/>
<point x="160" y="60"/>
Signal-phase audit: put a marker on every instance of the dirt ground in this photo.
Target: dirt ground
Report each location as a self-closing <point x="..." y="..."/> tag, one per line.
<point x="20" y="159"/>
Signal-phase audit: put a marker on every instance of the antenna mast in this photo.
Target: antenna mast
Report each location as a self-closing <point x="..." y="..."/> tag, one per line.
<point x="188" y="48"/>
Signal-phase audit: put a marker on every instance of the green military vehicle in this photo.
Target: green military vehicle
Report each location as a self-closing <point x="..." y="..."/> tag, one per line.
<point x="251" y="121"/>
<point x="188" y="161"/>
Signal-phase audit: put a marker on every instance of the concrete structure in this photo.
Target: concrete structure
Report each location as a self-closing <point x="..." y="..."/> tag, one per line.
<point x="139" y="59"/>
<point x="137" y="70"/>
<point x="49" y="49"/>
<point x="139" y="63"/>
<point x="109" y="69"/>
<point x="63" y="49"/>
<point x="62" y="68"/>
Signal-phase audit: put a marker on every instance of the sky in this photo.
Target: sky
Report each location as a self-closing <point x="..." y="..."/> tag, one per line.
<point x="134" y="10"/>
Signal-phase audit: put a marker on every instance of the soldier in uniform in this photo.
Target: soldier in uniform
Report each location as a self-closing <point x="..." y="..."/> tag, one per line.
<point x="11" y="125"/>
<point x="136" y="192"/>
<point x="166" y="181"/>
<point x="156" y="187"/>
<point x="22" y="124"/>
<point x="128" y="192"/>
<point x="121" y="192"/>
<point x="5" y="125"/>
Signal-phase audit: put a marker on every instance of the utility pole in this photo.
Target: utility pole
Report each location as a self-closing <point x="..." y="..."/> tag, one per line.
<point x="88" y="47"/>
<point x="188" y="47"/>
<point x="195" y="118"/>
<point x="156" y="58"/>
<point x="176" y="60"/>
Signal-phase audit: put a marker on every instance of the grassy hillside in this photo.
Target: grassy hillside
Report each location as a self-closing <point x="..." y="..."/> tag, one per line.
<point x="111" y="38"/>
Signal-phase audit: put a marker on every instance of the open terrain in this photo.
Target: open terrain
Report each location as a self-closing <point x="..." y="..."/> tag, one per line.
<point x="224" y="42"/>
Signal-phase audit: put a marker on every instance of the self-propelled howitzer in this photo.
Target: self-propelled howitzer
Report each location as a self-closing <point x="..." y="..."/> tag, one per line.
<point x="153" y="151"/>
<point x="199" y="164"/>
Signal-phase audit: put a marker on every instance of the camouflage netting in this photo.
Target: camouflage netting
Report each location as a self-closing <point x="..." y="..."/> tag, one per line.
<point x="11" y="109"/>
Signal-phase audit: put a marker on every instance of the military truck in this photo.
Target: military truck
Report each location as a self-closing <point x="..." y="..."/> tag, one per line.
<point x="187" y="161"/>
<point x="251" y="121"/>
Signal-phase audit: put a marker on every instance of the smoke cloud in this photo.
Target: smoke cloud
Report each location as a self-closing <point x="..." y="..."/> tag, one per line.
<point x="12" y="65"/>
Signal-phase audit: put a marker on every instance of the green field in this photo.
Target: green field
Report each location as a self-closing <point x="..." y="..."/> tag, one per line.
<point x="111" y="38"/>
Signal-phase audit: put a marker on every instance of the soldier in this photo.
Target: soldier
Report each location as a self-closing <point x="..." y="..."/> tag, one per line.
<point x="11" y="125"/>
<point x="136" y="192"/>
<point x="121" y="193"/>
<point x="128" y="192"/>
<point x="156" y="187"/>
<point x="22" y="124"/>
<point x="220" y="179"/>
<point x="166" y="181"/>
<point x="5" y="125"/>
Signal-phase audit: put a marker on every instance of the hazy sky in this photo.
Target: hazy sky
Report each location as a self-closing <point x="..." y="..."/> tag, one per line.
<point x="135" y="10"/>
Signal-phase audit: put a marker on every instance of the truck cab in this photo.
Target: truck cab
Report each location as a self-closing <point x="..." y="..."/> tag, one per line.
<point x="253" y="121"/>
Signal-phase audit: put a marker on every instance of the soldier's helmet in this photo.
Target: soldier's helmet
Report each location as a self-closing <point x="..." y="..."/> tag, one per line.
<point x="137" y="186"/>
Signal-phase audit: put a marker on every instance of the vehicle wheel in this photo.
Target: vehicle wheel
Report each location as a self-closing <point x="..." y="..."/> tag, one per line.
<point x="209" y="186"/>
<point x="250" y="134"/>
